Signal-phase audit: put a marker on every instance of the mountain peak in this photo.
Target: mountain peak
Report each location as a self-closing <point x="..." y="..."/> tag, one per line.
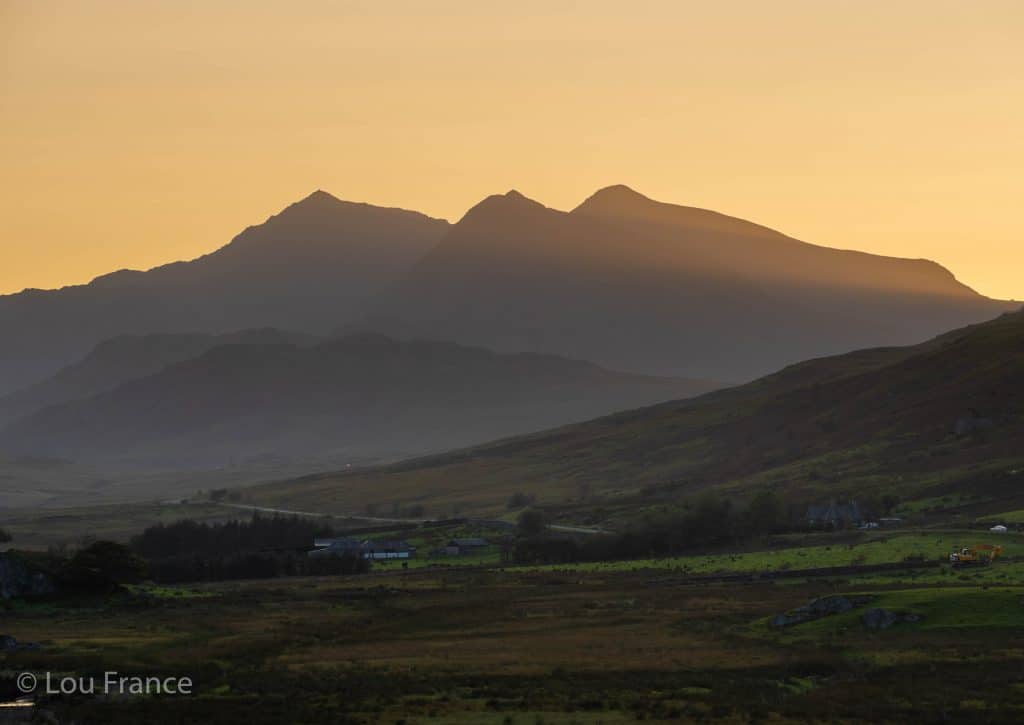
<point x="318" y="199"/>
<point x="503" y="207"/>
<point x="616" y="199"/>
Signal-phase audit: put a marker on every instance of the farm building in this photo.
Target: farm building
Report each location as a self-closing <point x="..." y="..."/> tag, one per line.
<point x="366" y="549"/>
<point x="834" y="514"/>
<point x="337" y="547"/>
<point x="460" y="547"/>
<point x="387" y="550"/>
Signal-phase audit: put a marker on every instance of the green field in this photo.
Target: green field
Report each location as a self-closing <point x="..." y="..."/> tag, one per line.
<point x="465" y="641"/>
<point x="872" y="549"/>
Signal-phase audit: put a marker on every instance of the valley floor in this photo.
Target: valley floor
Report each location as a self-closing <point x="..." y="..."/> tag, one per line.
<point x="574" y="644"/>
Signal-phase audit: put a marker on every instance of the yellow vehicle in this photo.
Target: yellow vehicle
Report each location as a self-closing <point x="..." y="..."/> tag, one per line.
<point x="977" y="555"/>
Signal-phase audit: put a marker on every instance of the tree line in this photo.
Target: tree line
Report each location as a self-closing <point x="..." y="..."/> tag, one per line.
<point x="264" y="547"/>
<point x="709" y="522"/>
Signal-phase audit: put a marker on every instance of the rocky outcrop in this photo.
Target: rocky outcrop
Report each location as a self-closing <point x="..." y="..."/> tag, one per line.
<point x="878" y="618"/>
<point x="834" y="604"/>
<point x="19" y="579"/>
<point x="10" y="644"/>
<point x="968" y="426"/>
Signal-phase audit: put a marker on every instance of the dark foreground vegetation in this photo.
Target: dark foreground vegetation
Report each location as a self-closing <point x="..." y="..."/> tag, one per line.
<point x="709" y="522"/>
<point x="264" y="547"/>
<point x="528" y="646"/>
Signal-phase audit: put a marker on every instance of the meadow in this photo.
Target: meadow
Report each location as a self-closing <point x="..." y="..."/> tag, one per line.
<point x="591" y="643"/>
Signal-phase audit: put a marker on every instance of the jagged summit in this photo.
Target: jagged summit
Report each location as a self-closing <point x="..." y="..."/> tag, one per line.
<point x="320" y="195"/>
<point x="503" y="207"/>
<point x="317" y="203"/>
<point x="614" y="199"/>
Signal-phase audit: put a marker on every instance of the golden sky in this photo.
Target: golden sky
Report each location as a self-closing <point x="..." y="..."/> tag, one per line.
<point x="136" y="132"/>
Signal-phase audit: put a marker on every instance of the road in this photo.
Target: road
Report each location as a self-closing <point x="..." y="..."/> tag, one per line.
<point x="383" y="520"/>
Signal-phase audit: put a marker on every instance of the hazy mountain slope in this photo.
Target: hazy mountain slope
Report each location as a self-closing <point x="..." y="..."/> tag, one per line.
<point x="125" y="358"/>
<point x="308" y="268"/>
<point x="870" y="422"/>
<point x="637" y="285"/>
<point x="345" y="399"/>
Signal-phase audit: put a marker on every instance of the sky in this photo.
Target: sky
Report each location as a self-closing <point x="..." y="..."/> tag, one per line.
<point x="138" y="132"/>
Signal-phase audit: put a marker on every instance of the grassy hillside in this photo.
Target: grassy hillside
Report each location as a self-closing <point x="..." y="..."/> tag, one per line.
<point x="868" y="423"/>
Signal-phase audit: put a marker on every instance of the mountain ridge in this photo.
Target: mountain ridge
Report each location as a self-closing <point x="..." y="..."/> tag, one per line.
<point x="361" y="396"/>
<point x="664" y="289"/>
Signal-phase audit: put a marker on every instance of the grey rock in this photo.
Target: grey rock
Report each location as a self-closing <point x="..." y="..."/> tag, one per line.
<point x="878" y="618"/>
<point x="10" y="644"/>
<point x="788" y="620"/>
<point x="822" y="607"/>
<point x="835" y="604"/>
<point x="17" y="579"/>
<point x="966" y="426"/>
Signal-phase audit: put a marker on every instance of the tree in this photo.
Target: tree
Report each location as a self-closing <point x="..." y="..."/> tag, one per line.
<point x="889" y="502"/>
<point x="520" y="500"/>
<point x="110" y="561"/>
<point x="532" y="522"/>
<point x="765" y="513"/>
<point x="5" y="537"/>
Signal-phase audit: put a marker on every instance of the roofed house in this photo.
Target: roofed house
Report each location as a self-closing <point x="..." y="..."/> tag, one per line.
<point x="458" y="547"/>
<point x="469" y="543"/>
<point x="834" y="514"/>
<point x="340" y="546"/>
<point x="387" y="550"/>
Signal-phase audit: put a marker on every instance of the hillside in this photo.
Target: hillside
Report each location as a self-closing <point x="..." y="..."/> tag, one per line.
<point x="309" y="268"/>
<point x="863" y="424"/>
<point x="349" y="399"/>
<point x="639" y="285"/>
<point x="125" y="358"/>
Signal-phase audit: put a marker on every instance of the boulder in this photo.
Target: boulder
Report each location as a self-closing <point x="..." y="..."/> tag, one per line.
<point x="834" y="604"/>
<point x="967" y="426"/>
<point x="10" y="644"/>
<point x="788" y="620"/>
<point x="821" y="607"/>
<point x="878" y="618"/>
<point x="17" y="579"/>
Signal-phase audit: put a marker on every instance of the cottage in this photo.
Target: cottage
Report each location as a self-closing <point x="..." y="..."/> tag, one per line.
<point x="459" y="547"/>
<point x="343" y="546"/>
<point x="387" y="550"/>
<point x="469" y="543"/>
<point x="836" y="515"/>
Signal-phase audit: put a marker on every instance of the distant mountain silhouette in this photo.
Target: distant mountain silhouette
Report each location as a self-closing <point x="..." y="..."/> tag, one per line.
<point x="309" y="268"/>
<point x="639" y="285"/>
<point x="129" y="357"/>
<point x="629" y="283"/>
<point x="346" y="399"/>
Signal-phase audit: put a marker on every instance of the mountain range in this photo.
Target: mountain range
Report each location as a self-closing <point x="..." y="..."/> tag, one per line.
<point x="638" y="285"/>
<point x="269" y="397"/>
<point x="129" y="357"/>
<point x="623" y="281"/>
